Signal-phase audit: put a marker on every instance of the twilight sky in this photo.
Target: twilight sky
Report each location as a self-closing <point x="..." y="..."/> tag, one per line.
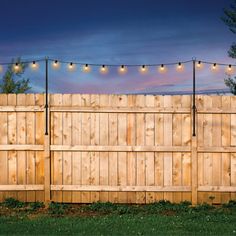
<point x="117" y="32"/>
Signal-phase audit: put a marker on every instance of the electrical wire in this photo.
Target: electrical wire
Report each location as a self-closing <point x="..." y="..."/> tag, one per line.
<point x="116" y="65"/>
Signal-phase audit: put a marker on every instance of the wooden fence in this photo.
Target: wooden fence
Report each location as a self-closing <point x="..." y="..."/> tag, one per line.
<point x="117" y="148"/>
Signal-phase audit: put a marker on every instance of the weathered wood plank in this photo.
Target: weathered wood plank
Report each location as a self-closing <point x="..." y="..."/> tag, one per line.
<point x="76" y="156"/>
<point x="109" y="148"/>
<point x="3" y="141"/>
<point x="119" y="188"/>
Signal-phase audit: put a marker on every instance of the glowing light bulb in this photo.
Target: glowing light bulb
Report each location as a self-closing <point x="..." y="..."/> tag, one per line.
<point x="103" y="69"/>
<point x="122" y="69"/>
<point x="199" y="64"/>
<point x="34" y="65"/>
<point x="86" y="68"/>
<point x="230" y="68"/>
<point x="179" y="65"/>
<point x="56" y="64"/>
<point x="214" y="66"/>
<point x="71" y="66"/>
<point x="143" y="69"/>
<point x="16" y="66"/>
<point x="162" y="68"/>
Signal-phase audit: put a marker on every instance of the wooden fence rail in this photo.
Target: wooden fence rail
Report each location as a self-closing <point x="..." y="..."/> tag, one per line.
<point x="117" y="148"/>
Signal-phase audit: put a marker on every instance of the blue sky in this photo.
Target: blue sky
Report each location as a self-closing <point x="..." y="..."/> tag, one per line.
<point x="117" y="32"/>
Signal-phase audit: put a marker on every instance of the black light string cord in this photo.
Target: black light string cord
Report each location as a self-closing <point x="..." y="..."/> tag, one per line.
<point x="198" y="62"/>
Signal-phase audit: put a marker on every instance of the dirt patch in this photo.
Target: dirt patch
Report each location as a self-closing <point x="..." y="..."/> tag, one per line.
<point x="168" y="213"/>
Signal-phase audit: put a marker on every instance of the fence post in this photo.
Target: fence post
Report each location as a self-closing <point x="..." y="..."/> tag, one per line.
<point x="194" y="140"/>
<point x="47" y="167"/>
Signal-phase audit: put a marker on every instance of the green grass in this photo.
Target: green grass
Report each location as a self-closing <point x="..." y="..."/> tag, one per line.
<point x="162" y="218"/>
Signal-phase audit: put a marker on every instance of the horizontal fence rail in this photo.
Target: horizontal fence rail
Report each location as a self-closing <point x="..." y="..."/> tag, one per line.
<point x="117" y="148"/>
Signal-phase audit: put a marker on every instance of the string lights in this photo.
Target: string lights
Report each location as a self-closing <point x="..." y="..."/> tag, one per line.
<point x="122" y="69"/>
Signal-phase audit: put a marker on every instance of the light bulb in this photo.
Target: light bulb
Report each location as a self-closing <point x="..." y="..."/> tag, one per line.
<point x="214" y="66"/>
<point x="16" y="66"/>
<point x="34" y="65"/>
<point x="103" y="69"/>
<point x="162" y="67"/>
<point x="179" y="65"/>
<point x="230" y="68"/>
<point x="122" y="69"/>
<point x="56" y="64"/>
<point x="71" y="66"/>
<point x="86" y="68"/>
<point x="199" y="64"/>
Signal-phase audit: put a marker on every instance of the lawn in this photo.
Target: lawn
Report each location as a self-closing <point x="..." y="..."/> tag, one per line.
<point x="162" y="218"/>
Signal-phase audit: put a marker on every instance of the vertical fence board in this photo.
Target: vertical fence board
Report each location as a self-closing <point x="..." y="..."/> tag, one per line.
<point x="85" y="156"/>
<point x="113" y="156"/>
<point x="3" y="140"/>
<point x="12" y="139"/>
<point x="233" y="143"/>
<point x="104" y="140"/>
<point x="76" y="140"/>
<point x="140" y="140"/>
<point x="149" y="141"/>
<point x="30" y="139"/>
<point x="159" y="141"/>
<point x="21" y="139"/>
<point x="186" y="102"/>
<point x="177" y="141"/>
<point x="95" y="100"/>
<point x="122" y="141"/>
<point x="216" y="142"/>
<point x="168" y="163"/>
<point x="66" y="140"/>
<point x="207" y="129"/>
<point x="40" y="122"/>
<point x="131" y="156"/>
<point x="57" y="177"/>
